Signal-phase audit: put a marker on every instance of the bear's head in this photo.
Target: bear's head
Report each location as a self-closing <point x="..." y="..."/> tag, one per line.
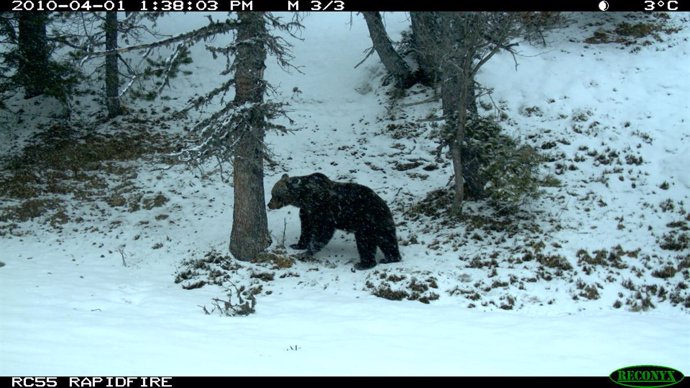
<point x="300" y="191"/>
<point x="282" y="194"/>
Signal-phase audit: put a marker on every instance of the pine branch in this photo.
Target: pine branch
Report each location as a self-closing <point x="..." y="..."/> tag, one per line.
<point x="212" y="29"/>
<point x="221" y="132"/>
<point x="171" y="63"/>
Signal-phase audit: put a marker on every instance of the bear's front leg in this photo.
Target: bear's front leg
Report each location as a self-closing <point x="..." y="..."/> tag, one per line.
<point x="305" y="231"/>
<point x="321" y="234"/>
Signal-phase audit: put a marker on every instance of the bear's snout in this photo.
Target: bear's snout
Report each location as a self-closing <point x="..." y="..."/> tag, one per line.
<point x="273" y="204"/>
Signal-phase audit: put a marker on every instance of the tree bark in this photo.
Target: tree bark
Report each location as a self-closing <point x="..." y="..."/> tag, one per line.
<point x="112" y="76"/>
<point x="425" y="36"/>
<point x="457" y="92"/>
<point x="393" y="62"/>
<point x="249" y="234"/>
<point x="33" y="71"/>
<point x="453" y="99"/>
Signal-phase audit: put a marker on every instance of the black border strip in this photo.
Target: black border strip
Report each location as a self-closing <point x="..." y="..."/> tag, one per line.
<point x="351" y="5"/>
<point x="195" y="382"/>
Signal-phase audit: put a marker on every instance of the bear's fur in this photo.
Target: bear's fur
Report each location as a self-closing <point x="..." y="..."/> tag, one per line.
<point x="326" y="205"/>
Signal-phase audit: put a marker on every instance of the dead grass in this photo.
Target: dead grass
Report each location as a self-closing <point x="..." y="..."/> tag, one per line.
<point x="395" y="286"/>
<point x="636" y="33"/>
<point x="64" y="168"/>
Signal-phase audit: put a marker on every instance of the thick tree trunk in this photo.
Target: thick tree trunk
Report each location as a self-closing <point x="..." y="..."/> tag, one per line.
<point x="393" y="62"/>
<point x="453" y="99"/>
<point x="249" y="234"/>
<point x="112" y="76"/>
<point x="33" y="71"/>
<point x="457" y="98"/>
<point x="425" y="36"/>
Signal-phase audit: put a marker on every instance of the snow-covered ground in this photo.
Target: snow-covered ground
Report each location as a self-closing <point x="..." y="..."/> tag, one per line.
<point x="577" y="284"/>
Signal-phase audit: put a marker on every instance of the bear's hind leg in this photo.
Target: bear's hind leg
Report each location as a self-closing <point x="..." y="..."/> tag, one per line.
<point x="389" y="247"/>
<point x="366" y="247"/>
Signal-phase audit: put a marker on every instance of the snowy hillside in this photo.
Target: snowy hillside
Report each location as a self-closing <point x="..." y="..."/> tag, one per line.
<point x="110" y="257"/>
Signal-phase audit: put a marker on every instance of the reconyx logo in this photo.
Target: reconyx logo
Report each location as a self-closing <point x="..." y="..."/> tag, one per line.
<point x="646" y="376"/>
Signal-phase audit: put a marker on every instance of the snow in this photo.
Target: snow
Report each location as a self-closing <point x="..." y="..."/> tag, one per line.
<point x="96" y="298"/>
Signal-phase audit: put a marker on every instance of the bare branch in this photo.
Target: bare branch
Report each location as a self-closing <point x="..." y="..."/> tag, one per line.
<point x="370" y="51"/>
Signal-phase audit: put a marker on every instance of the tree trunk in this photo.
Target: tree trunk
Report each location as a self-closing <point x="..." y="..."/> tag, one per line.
<point x="393" y="62"/>
<point x="425" y="36"/>
<point x="33" y="71"/>
<point x="112" y="76"/>
<point x="249" y="234"/>
<point x="453" y="99"/>
<point x="457" y="96"/>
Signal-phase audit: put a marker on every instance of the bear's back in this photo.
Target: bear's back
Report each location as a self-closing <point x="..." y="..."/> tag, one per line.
<point x="356" y="205"/>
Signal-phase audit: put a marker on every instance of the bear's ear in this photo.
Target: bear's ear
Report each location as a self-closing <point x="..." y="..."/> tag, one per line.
<point x="294" y="183"/>
<point x="284" y="177"/>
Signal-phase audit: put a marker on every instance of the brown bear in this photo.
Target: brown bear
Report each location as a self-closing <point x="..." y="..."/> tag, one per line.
<point x="325" y="205"/>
